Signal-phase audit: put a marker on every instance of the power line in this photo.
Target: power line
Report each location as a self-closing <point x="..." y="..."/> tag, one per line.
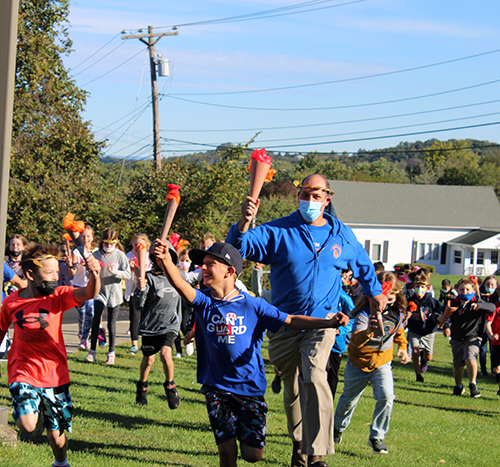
<point x="98" y="60"/>
<point x="95" y="53"/>
<point x="349" y="106"/>
<point x="343" y="80"/>
<point x="341" y="122"/>
<point x="113" y="69"/>
<point x="387" y="136"/>
<point x="264" y="14"/>
<point x="297" y="138"/>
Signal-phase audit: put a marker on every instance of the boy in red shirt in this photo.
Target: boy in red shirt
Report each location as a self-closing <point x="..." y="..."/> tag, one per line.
<point x="37" y="366"/>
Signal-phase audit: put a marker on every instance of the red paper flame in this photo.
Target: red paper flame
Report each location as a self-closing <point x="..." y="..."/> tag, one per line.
<point x="261" y="156"/>
<point x="174" y="193"/>
<point x="386" y="287"/>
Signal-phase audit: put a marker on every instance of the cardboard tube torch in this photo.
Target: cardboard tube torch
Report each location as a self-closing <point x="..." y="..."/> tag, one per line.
<point x="173" y="200"/>
<point x="74" y="228"/>
<point x="260" y="168"/>
<point x="142" y="256"/>
<point x="379" y="330"/>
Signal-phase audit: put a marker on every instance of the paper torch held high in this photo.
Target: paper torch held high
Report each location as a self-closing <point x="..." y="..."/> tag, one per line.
<point x="173" y="200"/>
<point x="74" y="228"/>
<point x="260" y="171"/>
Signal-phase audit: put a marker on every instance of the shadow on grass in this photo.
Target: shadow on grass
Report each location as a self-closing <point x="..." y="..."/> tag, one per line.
<point x="136" y="422"/>
<point x="125" y="452"/>
<point x="481" y="413"/>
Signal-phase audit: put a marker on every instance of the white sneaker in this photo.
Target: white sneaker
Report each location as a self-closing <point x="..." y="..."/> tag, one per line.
<point x="111" y="358"/>
<point x="178" y="355"/>
<point x="90" y="356"/>
<point x="189" y="349"/>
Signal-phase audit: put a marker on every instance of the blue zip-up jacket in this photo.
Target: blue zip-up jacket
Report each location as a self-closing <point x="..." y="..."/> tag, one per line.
<point x="296" y="267"/>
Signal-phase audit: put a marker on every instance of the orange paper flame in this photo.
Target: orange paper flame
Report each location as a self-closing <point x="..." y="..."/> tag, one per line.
<point x="413" y="307"/>
<point x="72" y="225"/>
<point x="67" y="237"/>
<point x="174" y="193"/>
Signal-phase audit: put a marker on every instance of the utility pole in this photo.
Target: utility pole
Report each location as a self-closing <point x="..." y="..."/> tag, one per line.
<point x="150" y="42"/>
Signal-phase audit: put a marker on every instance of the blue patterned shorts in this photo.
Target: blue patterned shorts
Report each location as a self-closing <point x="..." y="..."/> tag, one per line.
<point x="54" y="402"/>
<point x="237" y="416"/>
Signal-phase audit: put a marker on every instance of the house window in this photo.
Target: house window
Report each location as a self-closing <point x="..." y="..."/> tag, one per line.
<point x="429" y="251"/>
<point x="376" y="252"/>
<point x="435" y="252"/>
<point x="457" y="255"/>
<point x="422" y="251"/>
<point x="494" y="257"/>
<point x="480" y="257"/>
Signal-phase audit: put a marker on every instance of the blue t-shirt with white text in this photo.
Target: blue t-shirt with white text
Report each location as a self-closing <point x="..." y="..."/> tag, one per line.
<point x="229" y="335"/>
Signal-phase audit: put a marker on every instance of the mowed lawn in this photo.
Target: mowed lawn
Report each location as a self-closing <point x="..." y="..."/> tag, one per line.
<point x="429" y="426"/>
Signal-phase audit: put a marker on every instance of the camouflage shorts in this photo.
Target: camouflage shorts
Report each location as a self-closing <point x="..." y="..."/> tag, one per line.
<point x="233" y="416"/>
<point x="55" y="403"/>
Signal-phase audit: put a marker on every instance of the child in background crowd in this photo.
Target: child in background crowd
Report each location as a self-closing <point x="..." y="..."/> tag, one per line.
<point x="422" y="323"/>
<point x="465" y="314"/>
<point x="115" y="267"/>
<point x="159" y="305"/>
<point x="230" y="327"/>
<point x="492" y="326"/>
<point x="38" y="372"/>
<point x="15" y="247"/>
<point x="489" y="293"/>
<point x="346" y="305"/>
<point x="80" y="279"/>
<point x="184" y="265"/>
<point x="139" y="241"/>
<point x="369" y="360"/>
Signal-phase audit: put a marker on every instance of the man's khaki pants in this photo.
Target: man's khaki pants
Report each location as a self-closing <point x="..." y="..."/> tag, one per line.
<point x="301" y="356"/>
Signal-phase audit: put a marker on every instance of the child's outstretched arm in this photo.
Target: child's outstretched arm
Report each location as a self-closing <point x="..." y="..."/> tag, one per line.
<point x="187" y="293"/>
<point x="300" y="322"/>
<point x="91" y="290"/>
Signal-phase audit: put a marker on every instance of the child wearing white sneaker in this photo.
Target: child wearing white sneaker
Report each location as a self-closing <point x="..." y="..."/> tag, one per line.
<point x="369" y="360"/>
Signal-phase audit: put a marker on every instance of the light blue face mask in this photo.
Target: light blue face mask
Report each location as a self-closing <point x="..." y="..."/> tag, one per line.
<point x="489" y="289"/>
<point x="310" y="210"/>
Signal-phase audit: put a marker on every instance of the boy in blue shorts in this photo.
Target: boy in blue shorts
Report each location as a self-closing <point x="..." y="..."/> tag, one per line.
<point x="230" y="327"/>
<point x="38" y="365"/>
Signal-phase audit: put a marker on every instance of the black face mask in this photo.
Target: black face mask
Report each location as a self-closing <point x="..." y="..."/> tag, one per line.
<point x="47" y="287"/>
<point x="15" y="253"/>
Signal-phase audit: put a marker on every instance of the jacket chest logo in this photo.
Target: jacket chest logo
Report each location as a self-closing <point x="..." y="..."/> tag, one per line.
<point x="337" y="251"/>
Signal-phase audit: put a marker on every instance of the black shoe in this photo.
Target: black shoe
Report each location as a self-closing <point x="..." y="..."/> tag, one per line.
<point x="298" y="459"/>
<point x="378" y="446"/>
<point x="458" y="390"/>
<point x="498" y="393"/>
<point x="276" y="384"/>
<point x="173" y="397"/>
<point x="316" y="461"/>
<point x="474" y="391"/>
<point x="141" y="396"/>
<point x="420" y="379"/>
<point x="337" y="436"/>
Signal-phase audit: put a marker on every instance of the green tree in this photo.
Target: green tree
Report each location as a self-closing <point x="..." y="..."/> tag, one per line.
<point x="55" y="158"/>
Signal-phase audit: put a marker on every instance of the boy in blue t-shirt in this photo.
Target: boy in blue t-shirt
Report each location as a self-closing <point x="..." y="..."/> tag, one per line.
<point x="230" y="327"/>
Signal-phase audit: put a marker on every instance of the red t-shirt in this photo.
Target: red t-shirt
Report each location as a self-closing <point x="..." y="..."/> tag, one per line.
<point x="495" y="323"/>
<point x="38" y="353"/>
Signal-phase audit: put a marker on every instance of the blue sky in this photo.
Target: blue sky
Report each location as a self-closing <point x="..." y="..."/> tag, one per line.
<point x="391" y="71"/>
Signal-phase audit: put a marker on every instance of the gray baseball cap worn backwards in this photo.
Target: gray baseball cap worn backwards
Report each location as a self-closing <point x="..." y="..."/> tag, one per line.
<point x="224" y="252"/>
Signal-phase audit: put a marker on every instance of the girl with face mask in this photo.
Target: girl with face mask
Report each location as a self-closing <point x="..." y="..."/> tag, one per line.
<point x="13" y="254"/>
<point x="115" y="268"/>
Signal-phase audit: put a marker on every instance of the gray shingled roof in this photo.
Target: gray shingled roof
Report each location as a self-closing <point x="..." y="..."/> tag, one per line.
<point x="419" y="205"/>
<point x="474" y="237"/>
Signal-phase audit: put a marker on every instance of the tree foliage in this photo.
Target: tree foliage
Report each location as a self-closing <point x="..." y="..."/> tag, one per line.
<point x="55" y="159"/>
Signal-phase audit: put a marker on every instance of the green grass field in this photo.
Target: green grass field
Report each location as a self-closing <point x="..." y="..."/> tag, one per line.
<point x="429" y="426"/>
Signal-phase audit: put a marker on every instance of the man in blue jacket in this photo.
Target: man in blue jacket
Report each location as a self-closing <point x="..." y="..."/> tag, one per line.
<point x="307" y="251"/>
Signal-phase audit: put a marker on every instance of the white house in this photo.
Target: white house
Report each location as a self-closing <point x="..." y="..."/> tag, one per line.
<point x="454" y="228"/>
